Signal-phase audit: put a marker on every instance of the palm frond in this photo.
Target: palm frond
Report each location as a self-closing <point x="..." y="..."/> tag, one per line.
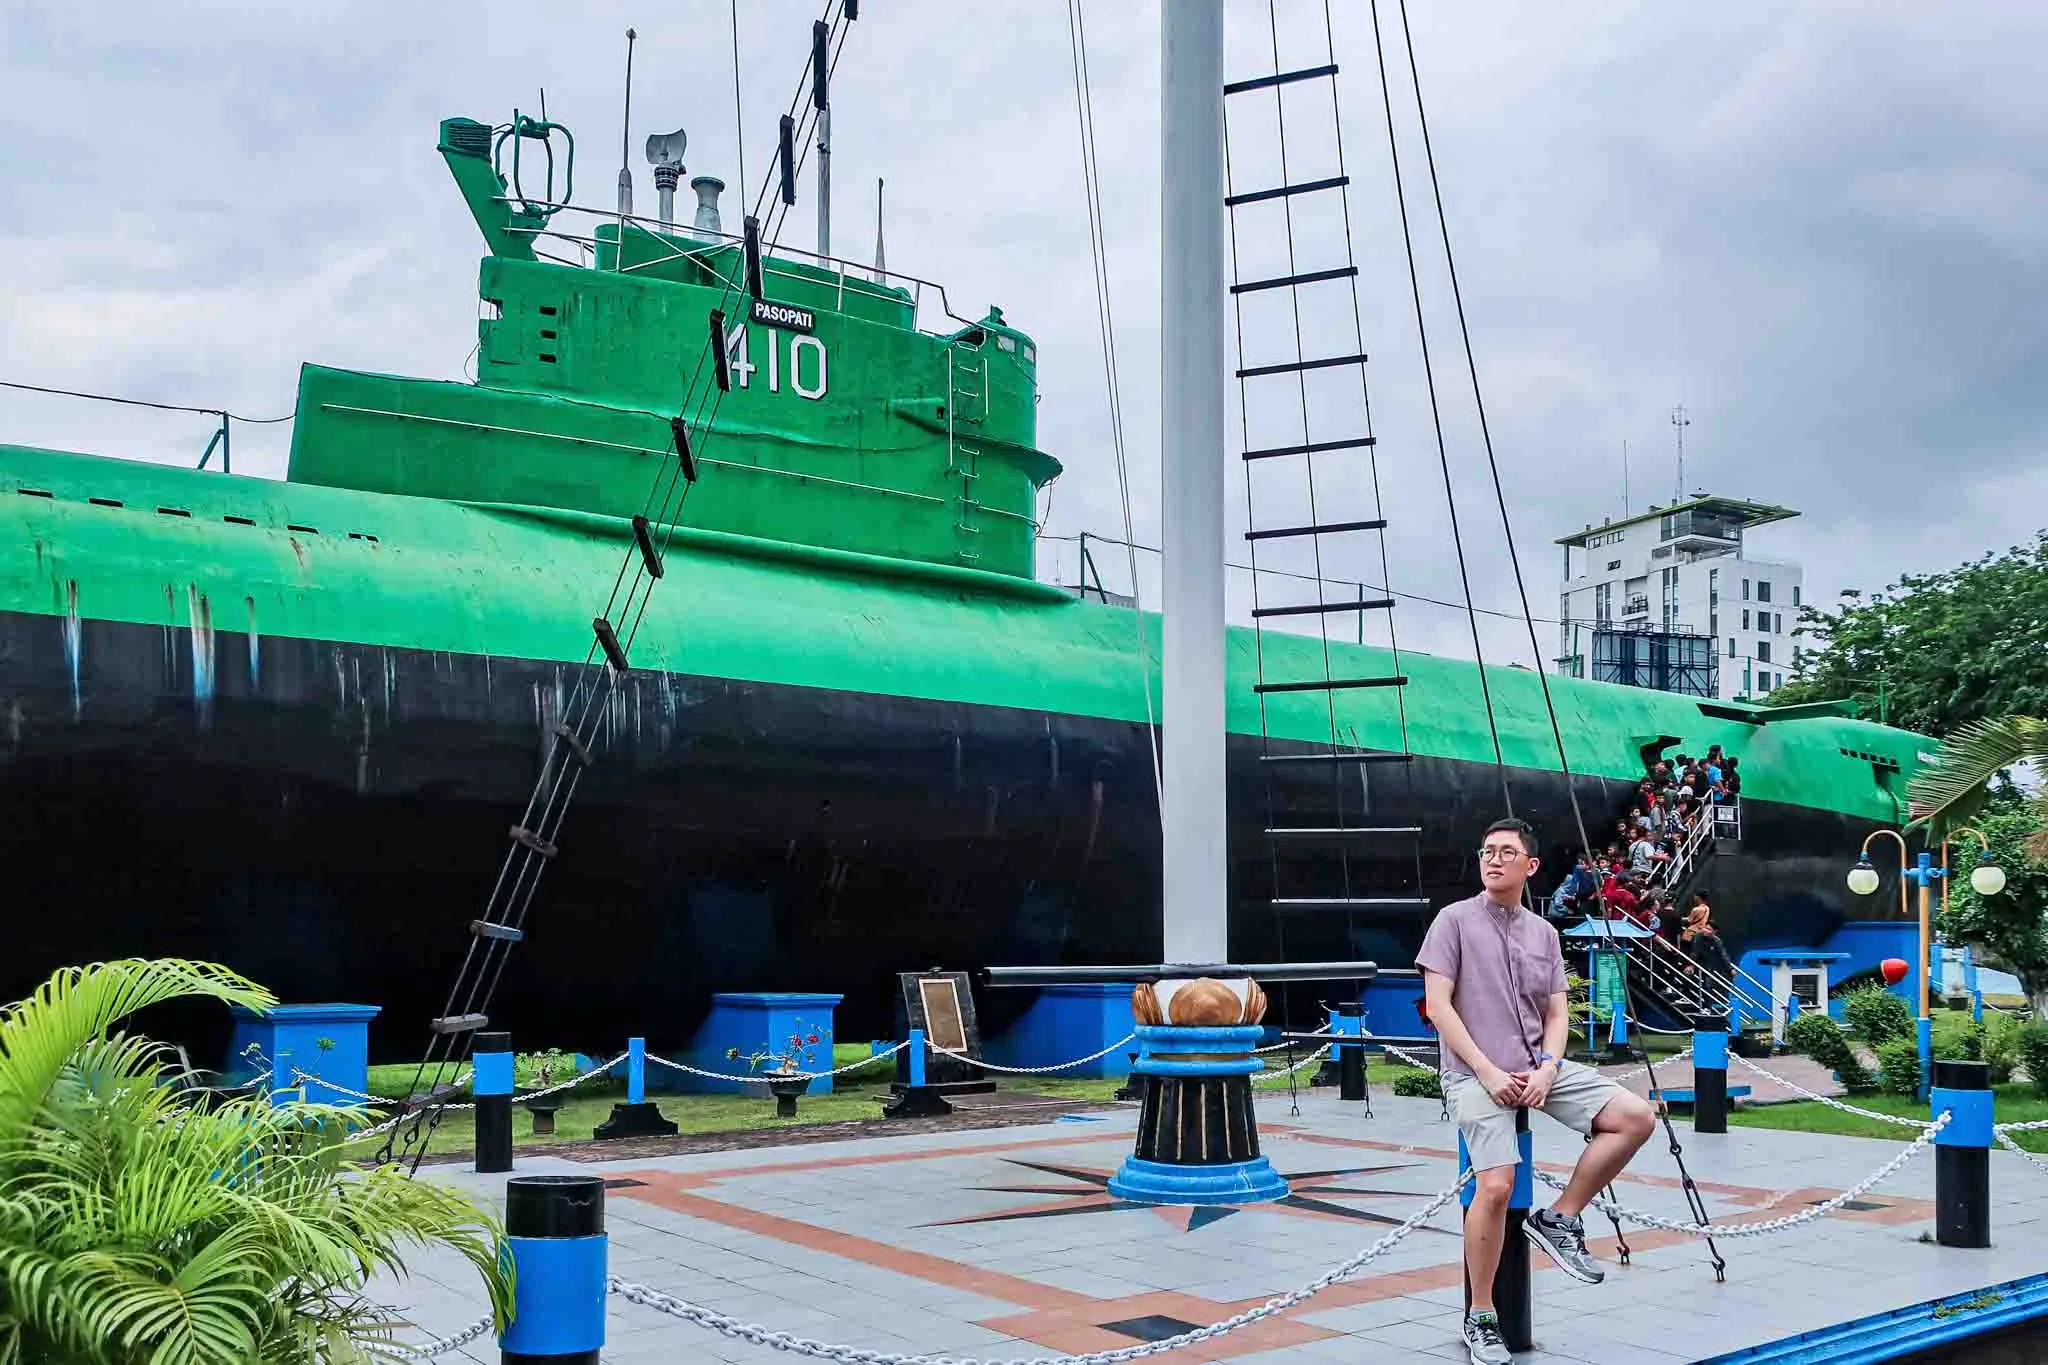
<point x="1952" y="786"/>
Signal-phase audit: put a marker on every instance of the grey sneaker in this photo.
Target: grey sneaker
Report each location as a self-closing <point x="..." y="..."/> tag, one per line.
<point x="1483" y="1340"/>
<point x="1564" y="1239"/>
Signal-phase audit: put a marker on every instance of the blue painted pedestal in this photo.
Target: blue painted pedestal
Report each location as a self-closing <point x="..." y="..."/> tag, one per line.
<point x="756" y="1021"/>
<point x="1198" y="1139"/>
<point x="1066" y="1022"/>
<point x="288" y="1038"/>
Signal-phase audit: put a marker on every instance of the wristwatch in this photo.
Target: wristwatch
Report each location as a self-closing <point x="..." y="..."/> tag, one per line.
<point x="1543" y="1057"/>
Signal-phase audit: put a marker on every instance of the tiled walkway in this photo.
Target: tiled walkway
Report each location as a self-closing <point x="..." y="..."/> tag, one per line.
<point x="1003" y="1243"/>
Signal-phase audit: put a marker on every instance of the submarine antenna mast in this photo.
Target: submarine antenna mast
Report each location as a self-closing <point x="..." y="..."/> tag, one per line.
<point x="625" y="139"/>
<point x="1680" y="422"/>
<point x="1191" y="426"/>
<point x="881" y="258"/>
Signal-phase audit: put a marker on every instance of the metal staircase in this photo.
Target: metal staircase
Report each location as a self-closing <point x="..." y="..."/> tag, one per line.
<point x="1305" y="412"/>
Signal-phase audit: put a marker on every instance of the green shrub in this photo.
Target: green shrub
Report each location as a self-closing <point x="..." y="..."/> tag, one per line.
<point x="2001" y="1047"/>
<point x="1822" y="1039"/>
<point x="1898" y="1065"/>
<point x="1877" y="1016"/>
<point x="1422" y="1085"/>
<point x="1965" y="1044"/>
<point x="2032" y="1045"/>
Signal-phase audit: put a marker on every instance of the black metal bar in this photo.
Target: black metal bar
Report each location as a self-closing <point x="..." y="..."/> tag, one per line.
<point x="459" y="1023"/>
<point x="1366" y="1039"/>
<point x="1306" y="73"/>
<point x="565" y="733"/>
<point x="720" y="359"/>
<point x="1333" y="528"/>
<point x="1313" y="448"/>
<point x="1328" y="362"/>
<point x="679" y="431"/>
<point x="1325" y="608"/>
<point x="821" y="68"/>
<point x="1340" y="272"/>
<point x="649" y="556"/>
<point x="608" y="641"/>
<point x="1334" y="684"/>
<point x="485" y="929"/>
<point x="785" y="160"/>
<point x="1351" y="903"/>
<point x="1283" y="191"/>
<point x="528" y="839"/>
<point x="752" y="246"/>
<point x="1341" y="832"/>
<point x="1262" y="971"/>
<point x="851" y="9"/>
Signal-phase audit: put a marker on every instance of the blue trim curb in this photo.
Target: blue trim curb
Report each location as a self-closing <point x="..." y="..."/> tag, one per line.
<point x="1903" y="1333"/>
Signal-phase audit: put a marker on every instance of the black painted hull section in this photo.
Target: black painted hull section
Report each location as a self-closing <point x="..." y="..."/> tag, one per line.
<point x="329" y="821"/>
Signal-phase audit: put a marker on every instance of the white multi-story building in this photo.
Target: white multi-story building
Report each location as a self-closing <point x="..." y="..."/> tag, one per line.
<point x="1671" y="599"/>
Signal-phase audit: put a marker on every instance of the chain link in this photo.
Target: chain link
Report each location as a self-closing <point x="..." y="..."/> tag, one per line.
<point x="1613" y="1208"/>
<point x="1031" y="1070"/>
<point x="441" y="1346"/>
<point x="1830" y="1102"/>
<point x="856" y="1355"/>
<point x="2005" y="1141"/>
<point x="765" y="1077"/>
<point x="1285" y="1072"/>
<point x="1647" y="1067"/>
<point x="1286" y="1043"/>
<point x="2034" y="1127"/>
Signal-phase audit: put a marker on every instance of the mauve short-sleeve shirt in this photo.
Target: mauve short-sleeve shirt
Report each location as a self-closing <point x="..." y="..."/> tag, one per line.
<point x="1504" y="966"/>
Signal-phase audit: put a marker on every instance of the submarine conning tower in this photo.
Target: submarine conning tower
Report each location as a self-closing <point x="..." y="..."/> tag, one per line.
<point x="845" y="426"/>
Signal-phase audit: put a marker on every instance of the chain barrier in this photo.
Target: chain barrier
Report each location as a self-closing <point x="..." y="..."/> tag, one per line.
<point x="1648" y="1067"/>
<point x="855" y="1355"/>
<point x="2035" y="1126"/>
<point x="1310" y="1060"/>
<point x="1829" y="1101"/>
<point x="1286" y="1043"/>
<point x="440" y="1346"/>
<point x="2005" y="1141"/>
<point x="1614" y="1208"/>
<point x="764" y="1078"/>
<point x="1032" y="1070"/>
<point x="1403" y="1054"/>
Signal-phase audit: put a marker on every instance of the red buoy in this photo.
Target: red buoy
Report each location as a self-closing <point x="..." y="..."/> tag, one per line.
<point x="1894" y="970"/>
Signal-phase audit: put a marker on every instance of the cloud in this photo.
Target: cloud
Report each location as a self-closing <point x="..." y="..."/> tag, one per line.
<point x="1816" y="228"/>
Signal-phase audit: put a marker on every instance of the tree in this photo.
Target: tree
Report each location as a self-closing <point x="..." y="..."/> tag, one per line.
<point x="138" y="1227"/>
<point x="2012" y="925"/>
<point x="1968" y="644"/>
<point x="1956" y="784"/>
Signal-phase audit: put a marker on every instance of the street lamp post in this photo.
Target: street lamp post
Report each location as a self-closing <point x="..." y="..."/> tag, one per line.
<point x="1987" y="879"/>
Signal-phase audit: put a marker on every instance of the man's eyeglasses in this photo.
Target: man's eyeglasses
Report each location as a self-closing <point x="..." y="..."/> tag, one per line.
<point x="1503" y="854"/>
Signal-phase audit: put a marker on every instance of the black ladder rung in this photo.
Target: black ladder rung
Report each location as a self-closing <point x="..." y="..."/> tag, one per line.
<point x="528" y="839"/>
<point x="568" y="736"/>
<point x="608" y="641"/>
<point x="1328" y="362"/>
<point x="1352" y="903"/>
<point x="650" y="556"/>
<point x="1306" y="73"/>
<point x="1335" y="182"/>
<point x="1281" y="532"/>
<point x="1312" y="447"/>
<point x="1324" y="608"/>
<point x="1341" y="756"/>
<point x="1342" y="832"/>
<point x="1333" y="684"/>
<point x="459" y="1023"/>
<point x="484" y="928"/>
<point x="1341" y="272"/>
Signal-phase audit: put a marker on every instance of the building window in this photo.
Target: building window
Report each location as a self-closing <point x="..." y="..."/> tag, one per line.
<point x="1731" y="646"/>
<point x="1795" y="594"/>
<point x="1713" y="587"/>
<point x="1763" y="651"/>
<point x="1745" y="589"/>
<point x="1778" y="623"/>
<point x="1763" y="590"/>
<point x="1613" y="564"/>
<point x="1603" y="603"/>
<point x="1714" y="623"/>
<point x="1745" y="618"/>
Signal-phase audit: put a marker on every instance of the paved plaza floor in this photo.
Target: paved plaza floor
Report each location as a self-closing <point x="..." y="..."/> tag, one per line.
<point x="1004" y="1243"/>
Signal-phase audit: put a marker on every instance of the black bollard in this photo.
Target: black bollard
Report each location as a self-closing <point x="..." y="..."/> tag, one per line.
<point x="1710" y="1073"/>
<point x="491" y="1062"/>
<point x="1511" y="1281"/>
<point x="554" y="1225"/>
<point x="1350" y="1057"/>
<point x="1962" y="1154"/>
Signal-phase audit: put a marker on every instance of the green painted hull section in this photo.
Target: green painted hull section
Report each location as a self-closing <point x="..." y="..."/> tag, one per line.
<point x="523" y="582"/>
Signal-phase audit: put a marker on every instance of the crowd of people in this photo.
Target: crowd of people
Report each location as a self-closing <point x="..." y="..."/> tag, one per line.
<point x="1627" y="874"/>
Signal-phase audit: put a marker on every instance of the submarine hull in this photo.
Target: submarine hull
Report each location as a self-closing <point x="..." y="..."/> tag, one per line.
<point x="327" y="817"/>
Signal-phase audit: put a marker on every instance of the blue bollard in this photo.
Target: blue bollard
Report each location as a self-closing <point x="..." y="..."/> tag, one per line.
<point x="1710" y="1074"/>
<point x="1511" y="1281"/>
<point x="636" y="1071"/>
<point x="1962" y="1154"/>
<point x="1350" y="1023"/>
<point x="917" y="1057"/>
<point x="554" y="1226"/>
<point x="637" y="1117"/>
<point x="491" y="1083"/>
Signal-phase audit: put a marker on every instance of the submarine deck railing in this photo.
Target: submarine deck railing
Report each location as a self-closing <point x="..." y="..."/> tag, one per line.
<point x="849" y="274"/>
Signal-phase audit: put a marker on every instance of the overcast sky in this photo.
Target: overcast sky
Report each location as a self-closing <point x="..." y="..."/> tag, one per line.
<point x="1820" y="228"/>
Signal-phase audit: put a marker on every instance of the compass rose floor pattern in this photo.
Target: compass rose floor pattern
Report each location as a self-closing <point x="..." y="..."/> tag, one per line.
<point x="1003" y="1243"/>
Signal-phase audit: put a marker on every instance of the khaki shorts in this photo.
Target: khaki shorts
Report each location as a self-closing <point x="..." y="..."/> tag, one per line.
<point x="1576" y="1099"/>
